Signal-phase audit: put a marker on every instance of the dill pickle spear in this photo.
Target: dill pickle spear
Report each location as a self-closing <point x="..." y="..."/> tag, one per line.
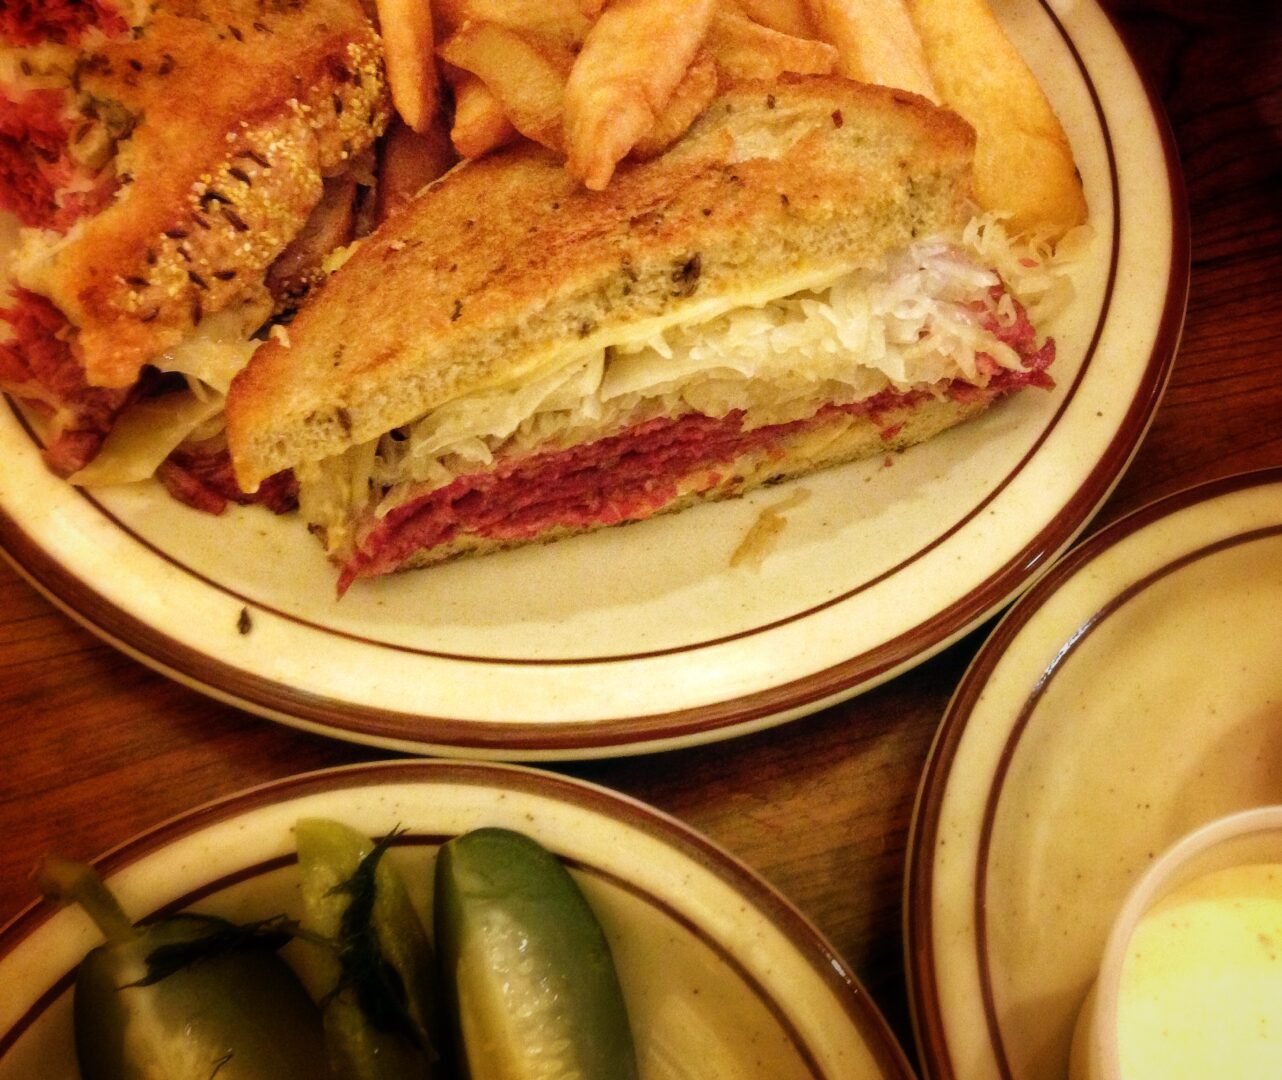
<point x="186" y="997"/>
<point x="526" y="965"/>
<point x="379" y="980"/>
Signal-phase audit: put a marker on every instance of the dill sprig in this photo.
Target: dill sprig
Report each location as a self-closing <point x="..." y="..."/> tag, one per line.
<point x="380" y="991"/>
<point x="221" y="938"/>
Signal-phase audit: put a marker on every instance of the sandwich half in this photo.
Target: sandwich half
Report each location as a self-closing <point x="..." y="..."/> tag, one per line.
<point x="160" y="160"/>
<point x="797" y="283"/>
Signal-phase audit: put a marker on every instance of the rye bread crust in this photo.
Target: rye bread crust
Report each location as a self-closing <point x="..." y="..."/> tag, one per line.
<point x="496" y="268"/>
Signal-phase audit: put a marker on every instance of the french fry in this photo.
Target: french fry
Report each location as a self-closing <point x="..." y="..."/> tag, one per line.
<point x="480" y="124"/>
<point x="789" y="17"/>
<point x="559" y="21"/>
<point x="1023" y="161"/>
<point x="693" y="94"/>
<point x="876" y="42"/>
<point x="408" y="162"/>
<point x="527" y="75"/>
<point x="632" y="60"/>
<point x="747" y="50"/>
<point x="406" y="29"/>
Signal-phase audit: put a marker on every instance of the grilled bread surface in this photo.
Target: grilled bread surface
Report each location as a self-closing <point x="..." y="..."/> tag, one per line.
<point x="505" y="265"/>
<point x="236" y="110"/>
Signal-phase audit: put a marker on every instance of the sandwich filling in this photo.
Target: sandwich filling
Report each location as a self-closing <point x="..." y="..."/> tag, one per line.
<point x="626" y="431"/>
<point x="168" y="423"/>
<point x="66" y="22"/>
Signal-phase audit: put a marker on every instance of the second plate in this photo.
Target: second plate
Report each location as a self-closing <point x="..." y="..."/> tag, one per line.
<point x="1131" y="696"/>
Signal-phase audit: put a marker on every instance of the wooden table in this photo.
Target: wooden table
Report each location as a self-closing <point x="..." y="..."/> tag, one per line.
<point x="96" y="747"/>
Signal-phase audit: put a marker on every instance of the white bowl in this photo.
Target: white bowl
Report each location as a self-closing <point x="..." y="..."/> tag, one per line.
<point x="1237" y="840"/>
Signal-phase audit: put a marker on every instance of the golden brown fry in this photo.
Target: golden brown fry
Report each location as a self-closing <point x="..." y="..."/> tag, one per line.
<point x="408" y="162"/>
<point x="526" y="74"/>
<point x="876" y="41"/>
<point x="406" y="29"/>
<point x="1023" y="161"/>
<point x="480" y="124"/>
<point x="692" y="95"/>
<point x="559" y="21"/>
<point x="632" y="60"/>
<point x="591" y="8"/>
<point x="789" y="17"/>
<point x="744" y="49"/>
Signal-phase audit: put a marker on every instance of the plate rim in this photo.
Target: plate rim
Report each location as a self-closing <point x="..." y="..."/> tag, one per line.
<point x="421" y="731"/>
<point x="805" y="938"/>
<point x="930" y="1038"/>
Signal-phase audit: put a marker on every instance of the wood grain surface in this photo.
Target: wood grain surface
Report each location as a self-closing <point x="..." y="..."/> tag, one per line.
<point x="95" y="747"/>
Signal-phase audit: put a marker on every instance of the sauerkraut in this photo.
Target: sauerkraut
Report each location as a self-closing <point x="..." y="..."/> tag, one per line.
<point x="149" y="430"/>
<point x="922" y="319"/>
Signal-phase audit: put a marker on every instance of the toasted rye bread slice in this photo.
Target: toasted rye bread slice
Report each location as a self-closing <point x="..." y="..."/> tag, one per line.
<point x="236" y="110"/>
<point x="505" y="265"/>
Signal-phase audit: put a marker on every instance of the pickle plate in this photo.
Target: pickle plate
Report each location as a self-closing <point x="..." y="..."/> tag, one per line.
<point x="722" y="976"/>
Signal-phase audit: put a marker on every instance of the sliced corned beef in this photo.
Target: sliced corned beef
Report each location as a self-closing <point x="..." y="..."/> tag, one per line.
<point x="626" y="477"/>
<point x="33" y="22"/>
<point x="39" y="182"/>
<point x="632" y="475"/>
<point x="201" y="476"/>
<point x="38" y="366"/>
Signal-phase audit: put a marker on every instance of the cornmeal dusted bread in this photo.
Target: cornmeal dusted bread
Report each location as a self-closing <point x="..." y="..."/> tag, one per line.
<point x="226" y="116"/>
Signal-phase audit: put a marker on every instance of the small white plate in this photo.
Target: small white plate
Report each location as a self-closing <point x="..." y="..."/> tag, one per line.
<point x="724" y="979"/>
<point x="1132" y="695"/>
<point x="642" y="638"/>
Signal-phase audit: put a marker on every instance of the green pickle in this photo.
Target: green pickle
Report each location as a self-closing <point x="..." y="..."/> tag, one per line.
<point x="187" y="997"/>
<point x="526" y="966"/>
<point x="379" y="984"/>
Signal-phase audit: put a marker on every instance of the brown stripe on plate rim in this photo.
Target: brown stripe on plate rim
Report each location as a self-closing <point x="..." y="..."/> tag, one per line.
<point x="927" y="1011"/>
<point x="821" y="957"/>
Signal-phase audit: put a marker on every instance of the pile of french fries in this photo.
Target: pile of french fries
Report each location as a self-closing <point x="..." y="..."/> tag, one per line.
<point x="598" y="81"/>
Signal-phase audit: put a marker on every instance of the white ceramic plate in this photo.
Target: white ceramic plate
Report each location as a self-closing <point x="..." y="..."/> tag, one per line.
<point x="1133" y="694"/>
<point x="645" y="637"/>
<point x="724" y="979"/>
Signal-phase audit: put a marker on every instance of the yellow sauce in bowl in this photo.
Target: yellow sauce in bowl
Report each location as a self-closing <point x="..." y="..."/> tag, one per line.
<point x="1201" y="986"/>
